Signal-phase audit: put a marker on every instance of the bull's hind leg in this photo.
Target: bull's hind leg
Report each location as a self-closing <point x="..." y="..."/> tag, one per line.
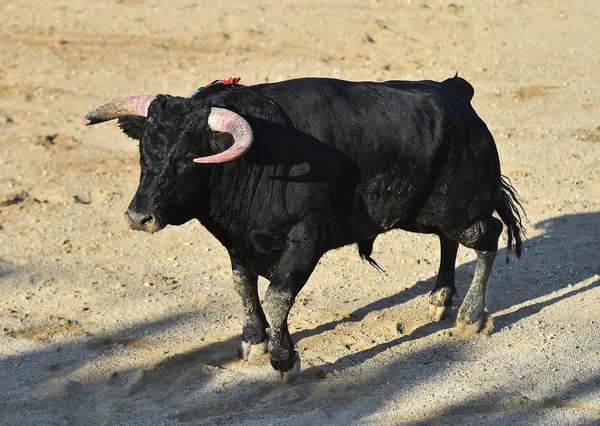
<point x="441" y="296"/>
<point x="482" y="236"/>
<point x="470" y="314"/>
<point x="254" y="336"/>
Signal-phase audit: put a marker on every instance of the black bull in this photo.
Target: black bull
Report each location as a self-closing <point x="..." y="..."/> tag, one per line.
<point x="319" y="164"/>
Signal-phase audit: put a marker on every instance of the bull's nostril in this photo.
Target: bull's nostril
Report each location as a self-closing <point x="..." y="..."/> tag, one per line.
<point x="141" y="221"/>
<point x="147" y="219"/>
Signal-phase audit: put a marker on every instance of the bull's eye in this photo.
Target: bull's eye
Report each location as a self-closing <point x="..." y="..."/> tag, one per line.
<point x="185" y="164"/>
<point x="187" y="161"/>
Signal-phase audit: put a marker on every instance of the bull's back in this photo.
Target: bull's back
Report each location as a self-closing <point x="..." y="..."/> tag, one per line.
<point x="373" y="156"/>
<point x="392" y="138"/>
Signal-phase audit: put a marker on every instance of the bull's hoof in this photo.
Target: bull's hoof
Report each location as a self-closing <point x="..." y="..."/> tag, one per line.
<point x="436" y="313"/>
<point x="467" y="330"/>
<point x="253" y="352"/>
<point x="289" y="376"/>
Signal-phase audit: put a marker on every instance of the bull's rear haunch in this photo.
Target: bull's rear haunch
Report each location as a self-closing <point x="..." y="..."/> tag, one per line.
<point x="281" y="173"/>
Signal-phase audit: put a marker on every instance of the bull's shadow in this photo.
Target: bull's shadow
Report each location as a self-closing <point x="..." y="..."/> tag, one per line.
<point x="567" y="253"/>
<point x="570" y="242"/>
<point x="560" y="263"/>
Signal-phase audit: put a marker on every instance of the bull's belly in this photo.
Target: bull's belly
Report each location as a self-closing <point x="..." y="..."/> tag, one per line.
<point x="381" y="210"/>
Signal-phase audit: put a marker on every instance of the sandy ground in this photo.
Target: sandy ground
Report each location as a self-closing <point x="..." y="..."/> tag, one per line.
<point x="103" y="325"/>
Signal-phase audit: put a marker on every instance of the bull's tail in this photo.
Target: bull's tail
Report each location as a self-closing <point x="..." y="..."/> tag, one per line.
<point x="509" y="209"/>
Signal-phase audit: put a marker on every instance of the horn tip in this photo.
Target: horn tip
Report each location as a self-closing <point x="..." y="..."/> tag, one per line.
<point x="90" y="119"/>
<point x="201" y="160"/>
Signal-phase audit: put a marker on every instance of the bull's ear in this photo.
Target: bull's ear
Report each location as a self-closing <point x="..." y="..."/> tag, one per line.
<point x="133" y="126"/>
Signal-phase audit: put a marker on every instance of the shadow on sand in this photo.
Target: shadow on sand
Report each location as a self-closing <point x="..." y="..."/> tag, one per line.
<point x="516" y="291"/>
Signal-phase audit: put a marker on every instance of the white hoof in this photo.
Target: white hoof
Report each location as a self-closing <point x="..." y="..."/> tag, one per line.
<point x="253" y="352"/>
<point x="436" y="313"/>
<point x="468" y="330"/>
<point x="289" y="376"/>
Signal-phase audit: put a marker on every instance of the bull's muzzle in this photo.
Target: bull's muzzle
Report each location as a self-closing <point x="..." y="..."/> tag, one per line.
<point x="142" y="221"/>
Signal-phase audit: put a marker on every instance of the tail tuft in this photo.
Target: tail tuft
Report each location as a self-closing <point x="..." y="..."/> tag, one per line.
<point x="509" y="209"/>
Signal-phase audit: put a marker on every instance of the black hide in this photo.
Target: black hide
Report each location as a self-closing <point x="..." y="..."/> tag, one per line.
<point x="333" y="163"/>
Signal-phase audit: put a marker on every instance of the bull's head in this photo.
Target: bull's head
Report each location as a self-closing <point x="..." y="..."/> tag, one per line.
<point x="174" y="134"/>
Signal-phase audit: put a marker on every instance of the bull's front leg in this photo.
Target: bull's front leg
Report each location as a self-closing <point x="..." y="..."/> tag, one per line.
<point x="298" y="260"/>
<point x="254" y="336"/>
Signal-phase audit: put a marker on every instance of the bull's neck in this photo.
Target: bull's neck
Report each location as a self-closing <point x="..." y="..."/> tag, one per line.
<point x="228" y="196"/>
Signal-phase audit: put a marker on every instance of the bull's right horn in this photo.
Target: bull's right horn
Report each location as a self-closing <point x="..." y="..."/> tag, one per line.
<point x="131" y="105"/>
<point x="224" y="120"/>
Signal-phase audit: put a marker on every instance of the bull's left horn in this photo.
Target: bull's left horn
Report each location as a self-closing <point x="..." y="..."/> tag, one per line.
<point x="223" y="120"/>
<point x="132" y="105"/>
